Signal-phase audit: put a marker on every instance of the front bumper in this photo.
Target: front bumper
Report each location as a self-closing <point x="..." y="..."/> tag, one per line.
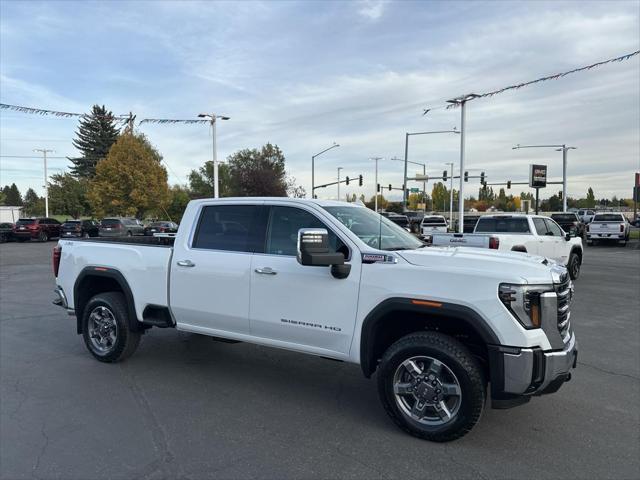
<point x="519" y="373"/>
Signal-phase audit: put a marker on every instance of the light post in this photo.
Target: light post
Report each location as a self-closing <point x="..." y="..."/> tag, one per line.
<point x="44" y="152"/>
<point x="375" y="201"/>
<point x="406" y="153"/>
<point x="451" y="197"/>
<point x="213" y="117"/>
<point x="339" y="168"/>
<point x="313" y="159"/>
<point x="559" y="148"/>
<point x="424" y="181"/>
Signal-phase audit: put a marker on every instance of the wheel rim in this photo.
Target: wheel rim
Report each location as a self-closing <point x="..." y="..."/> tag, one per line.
<point x="427" y="391"/>
<point x="575" y="267"/>
<point x="103" y="329"/>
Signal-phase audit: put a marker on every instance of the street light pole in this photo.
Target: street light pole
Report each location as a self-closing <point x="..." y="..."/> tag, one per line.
<point x="559" y="148"/>
<point x="313" y="167"/>
<point x="213" y="117"/>
<point x="406" y="156"/>
<point x="375" y="201"/>
<point x="44" y="152"/>
<point x="451" y="197"/>
<point x="339" y="168"/>
<point x="424" y="174"/>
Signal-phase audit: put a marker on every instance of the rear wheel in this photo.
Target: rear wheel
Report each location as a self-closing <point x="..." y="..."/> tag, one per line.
<point x="105" y="328"/>
<point x="431" y="386"/>
<point x="574" y="265"/>
<point x="129" y="234"/>
<point x="43" y="236"/>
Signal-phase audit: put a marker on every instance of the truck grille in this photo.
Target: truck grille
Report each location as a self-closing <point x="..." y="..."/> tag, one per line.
<point x="564" y="292"/>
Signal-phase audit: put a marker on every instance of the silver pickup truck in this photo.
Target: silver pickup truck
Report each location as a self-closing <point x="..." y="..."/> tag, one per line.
<point x="608" y="226"/>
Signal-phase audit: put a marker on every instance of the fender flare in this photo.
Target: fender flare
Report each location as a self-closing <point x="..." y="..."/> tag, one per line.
<point x="464" y="314"/>
<point x="111" y="273"/>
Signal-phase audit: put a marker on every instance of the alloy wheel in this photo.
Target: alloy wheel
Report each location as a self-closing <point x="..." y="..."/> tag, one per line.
<point x="103" y="329"/>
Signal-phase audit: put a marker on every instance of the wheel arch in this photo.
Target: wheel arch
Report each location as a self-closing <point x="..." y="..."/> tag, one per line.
<point x="93" y="280"/>
<point x="519" y="248"/>
<point x="382" y="327"/>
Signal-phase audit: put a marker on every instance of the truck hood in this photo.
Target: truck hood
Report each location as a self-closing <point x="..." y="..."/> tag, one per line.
<point x="508" y="266"/>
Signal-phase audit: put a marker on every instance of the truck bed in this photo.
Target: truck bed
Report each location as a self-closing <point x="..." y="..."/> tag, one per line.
<point x="148" y="241"/>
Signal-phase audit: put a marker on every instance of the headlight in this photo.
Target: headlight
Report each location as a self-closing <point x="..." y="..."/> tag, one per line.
<point x="523" y="301"/>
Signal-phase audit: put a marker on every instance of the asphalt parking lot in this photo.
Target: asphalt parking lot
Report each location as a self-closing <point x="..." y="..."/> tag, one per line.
<point x="185" y="406"/>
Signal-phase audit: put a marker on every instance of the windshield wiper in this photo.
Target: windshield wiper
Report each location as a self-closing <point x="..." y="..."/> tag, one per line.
<point x="395" y="249"/>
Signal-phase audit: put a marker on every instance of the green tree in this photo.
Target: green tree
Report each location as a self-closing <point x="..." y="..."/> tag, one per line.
<point x="131" y="180"/>
<point x="68" y="195"/>
<point x="97" y="132"/>
<point x="395" y="207"/>
<point x="382" y="202"/>
<point x="591" y="199"/>
<point x="258" y="172"/>
<point x="439" y="197"/>
<point x="12" y="195"/>
<point x="501" y="200"/>
<point x="179" y="197"/>
<point x="3" y="196"/>
<point x="33" y="204"/>
<point x="201" y="181"/>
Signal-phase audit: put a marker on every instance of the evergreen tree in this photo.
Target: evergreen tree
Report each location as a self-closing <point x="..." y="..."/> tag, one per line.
<point x="33" y="204"/>
<point x="96" y="133"/>
<point x="591" y="198"/>
<point x="12" y="195"/>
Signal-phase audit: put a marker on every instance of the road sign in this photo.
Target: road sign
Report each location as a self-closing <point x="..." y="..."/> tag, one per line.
<point x="415" y="190"/>
<point x="537" y="176"/>
<point x="421" y="178"/>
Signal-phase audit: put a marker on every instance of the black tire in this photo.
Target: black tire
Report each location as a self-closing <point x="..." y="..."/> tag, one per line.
<point x="458" y="360"/>
<point x="126" y="341"/>
<point x="85" y="235"/>
<point x="43" y="236"/>
<point x="573" y="265"/>
<point x="129" y="234"/>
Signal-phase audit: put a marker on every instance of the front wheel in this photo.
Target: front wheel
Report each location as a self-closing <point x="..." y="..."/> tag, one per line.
<point x="105" y="328"/>
<point x="431" y="386"/>
<point x="574" y="265"/>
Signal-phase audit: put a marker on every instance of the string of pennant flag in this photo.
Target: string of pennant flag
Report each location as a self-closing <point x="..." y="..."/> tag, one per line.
<point x="452" y="104"/>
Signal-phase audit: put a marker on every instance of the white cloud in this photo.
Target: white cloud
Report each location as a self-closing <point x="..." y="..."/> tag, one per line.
<point x="372" y="9"/>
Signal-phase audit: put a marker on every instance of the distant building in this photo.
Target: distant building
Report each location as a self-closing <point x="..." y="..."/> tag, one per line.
<point x="10" y="214"/>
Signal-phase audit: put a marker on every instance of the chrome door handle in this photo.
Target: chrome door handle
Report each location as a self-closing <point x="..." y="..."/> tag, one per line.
<point x="185" y="263"/>
<point x="266" y="271"/>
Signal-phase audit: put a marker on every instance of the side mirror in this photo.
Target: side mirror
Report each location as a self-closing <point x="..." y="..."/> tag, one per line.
<point x="313" y="248"/>
<point x="567" y="236"/>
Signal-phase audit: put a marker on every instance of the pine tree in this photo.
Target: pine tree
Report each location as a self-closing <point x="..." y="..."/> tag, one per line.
<point x="12" y="195"/>
<point x="96" y="133"/>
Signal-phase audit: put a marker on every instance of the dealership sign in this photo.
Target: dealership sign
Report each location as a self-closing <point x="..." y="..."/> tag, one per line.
<point x="537" y="176"/>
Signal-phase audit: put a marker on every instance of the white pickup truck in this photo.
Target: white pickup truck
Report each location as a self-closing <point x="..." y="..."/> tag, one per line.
<point x="608" y="226"/>
<point x="339" y="281"/>
<point x="531" y="234"/>
<point x="433" y="224"/>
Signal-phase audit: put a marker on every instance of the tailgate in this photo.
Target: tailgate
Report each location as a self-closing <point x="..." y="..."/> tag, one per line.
<point x="607" y="228"/>
<point x="461" y="240"/>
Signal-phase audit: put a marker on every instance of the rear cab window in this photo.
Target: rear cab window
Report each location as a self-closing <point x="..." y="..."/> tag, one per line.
<point x="110" y="222"/>
<point x="502" y="225"/>
<point x="434" y="221"/>
<point x="608" y="217"/>
<point x="232" y="228"/>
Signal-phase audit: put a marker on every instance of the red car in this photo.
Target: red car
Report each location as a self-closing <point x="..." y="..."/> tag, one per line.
<point x="36" y="228"/>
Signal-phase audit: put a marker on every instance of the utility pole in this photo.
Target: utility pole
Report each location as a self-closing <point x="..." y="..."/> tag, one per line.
<point x="376" y="183"/>
<point x="462" y="101"/>
<point x="559" y="148"/>
<point x="339" y="168"/>
<point x="406" y="156"/>
<point x="451" y="197"/>
<point x="44" y="152"/>
<point x="313" y="168"/>
<point x="212" y="120"/>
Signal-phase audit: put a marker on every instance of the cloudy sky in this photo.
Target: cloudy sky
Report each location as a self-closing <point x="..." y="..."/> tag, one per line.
<point x="305" y="74"/>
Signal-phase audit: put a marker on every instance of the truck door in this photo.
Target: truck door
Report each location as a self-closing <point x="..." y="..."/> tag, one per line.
<point x="211" y="270"/>
<point x="560" y="246"/>
<point x="544" y="240"/>
<point x="302" y="305"/>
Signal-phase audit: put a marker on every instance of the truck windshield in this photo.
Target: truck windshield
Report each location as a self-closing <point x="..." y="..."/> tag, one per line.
<point x="375" y="230"/>
<point x="568" y="217"/>
<point x="502" y="225"/>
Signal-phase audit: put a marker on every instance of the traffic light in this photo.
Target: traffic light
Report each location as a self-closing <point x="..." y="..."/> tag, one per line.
<point x="466" y="176"/>
<point x="378" y="188"/>
<point x="346" y="180"/>
<point x="360" y="181"/>
<point x="444" y="176"/>
<point x="509" y="184"/>
<point x="482" y="178"/>
<point x="389" y="187"/>
<point x="560" y="194"/>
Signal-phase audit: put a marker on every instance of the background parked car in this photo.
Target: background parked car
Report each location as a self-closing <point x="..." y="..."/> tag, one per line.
<point x="160" y="227"/>
<point x="401" y="220"/>
<point x="608" y="226"/>
<point x="415" y="218"/>
<point x="586" y="215"/>
<point x="120" y="227"/>
<point x="635" y="222"/>
<point x="570" y="223"/>
<point x="80" y="228"/>
<point x="6" y="232"/>
<point x="41" y="229"/>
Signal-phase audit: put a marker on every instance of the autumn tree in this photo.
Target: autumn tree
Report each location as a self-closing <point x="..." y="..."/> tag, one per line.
<point x="131" y="180"/>
<point x="97" y="132"/>
<point x="68" y="195"/>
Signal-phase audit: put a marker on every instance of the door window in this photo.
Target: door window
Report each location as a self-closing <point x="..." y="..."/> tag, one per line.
<point x="541" y="227"/>
<point x="234" y="228"/>
<point x="553" y="227"/>
<point x="282" y="236"/>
